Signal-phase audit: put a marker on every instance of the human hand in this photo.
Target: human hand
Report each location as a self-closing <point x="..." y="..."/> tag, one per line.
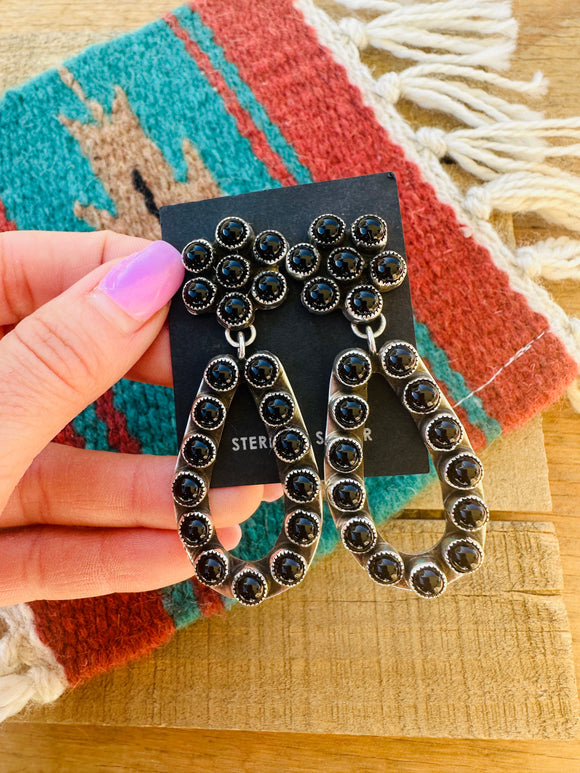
<point x="76" y="315"/>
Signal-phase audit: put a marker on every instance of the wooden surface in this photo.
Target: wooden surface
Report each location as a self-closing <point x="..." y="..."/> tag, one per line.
<point x="549" y="40"/>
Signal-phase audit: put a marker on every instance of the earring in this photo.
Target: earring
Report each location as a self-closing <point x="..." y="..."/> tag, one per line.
<point x="236" y="275"/>
<point x="365" y="269"/>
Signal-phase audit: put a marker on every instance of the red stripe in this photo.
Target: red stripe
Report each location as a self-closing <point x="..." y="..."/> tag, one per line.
<point x="244" y="121"/>
<point x="70" y="437"/>
<point x="5" y="224"/>
<point x="209" y="601"/>
<point x="118" y="434"/>
<point x="472" y="312"/>
<point x="89" y="636"/>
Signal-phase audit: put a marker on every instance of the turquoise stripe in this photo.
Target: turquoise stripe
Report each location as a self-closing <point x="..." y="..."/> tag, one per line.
<point x="455" y="383"/>
<point x="180" y="604"/>
<point x="150" y="415"/>
<point x="173" y="101"/>
<point x="92" y="429"/>
<point x="203" y="36"/>
<point x="42" y="170"/>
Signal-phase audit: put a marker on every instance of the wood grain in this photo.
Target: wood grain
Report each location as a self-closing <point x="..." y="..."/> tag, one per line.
<point x="549" y="40"/>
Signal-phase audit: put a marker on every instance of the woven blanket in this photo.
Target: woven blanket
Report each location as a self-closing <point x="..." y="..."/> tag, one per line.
<point x="220" y="98"/>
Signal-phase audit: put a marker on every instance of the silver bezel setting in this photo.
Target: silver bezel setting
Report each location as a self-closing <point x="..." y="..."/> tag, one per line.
<point x="463" y="455"/>
<point x="431" y="421"/>
<point x="297" y="274"/>
<point x="268" y="356"/>
<point x="278" y="393"/>
<point x="341" y="439"/>
<point x="240" y="323"/>
<point x="241" y="282"/>
<point x="244" y="572"/>
<point x="367" y="522"/>
<point x="230" y="361"/>
<point x="309" y="471"/>
<point x="203" y="488"/>
<point x="317" y="242"/>
<point x="355" y="316"/>
<point x="248" y="233"/>
<point x="359" y="485"/>
<point x="392" y="554"/>
<point x="470" y="541"/>
<point x="196" y="421"/>
<point x="330" y="268"/>
<point x="382" y="285"/>
<point x="298" y="432"/>
<point x="285" y="248"/>
<point x="457" y="503"/>
<point x="185" y="250"/>
<point x="361" y="353"/>
<point x="409" y="386"/>
<point x="431" y="565"/>
<point x="309" y="305"/>
<point x="202" y="309"/>
<point x="220" y="554"/>
<point x="363" y="246"/>
<point x="387" y="347"/>
<point x="277" y="301"/>
<point x="203" y="517"/>
<point x="207" y="440"/>
<point x="309" y="514"/>
<point x="335" y="418"/>
<point x="293" y="554"/>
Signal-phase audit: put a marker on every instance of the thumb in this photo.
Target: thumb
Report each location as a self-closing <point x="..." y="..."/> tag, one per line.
<point x="59" y="359"/>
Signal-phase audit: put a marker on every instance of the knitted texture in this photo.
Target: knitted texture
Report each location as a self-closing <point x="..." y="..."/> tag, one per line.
<point x="207" y="102"/>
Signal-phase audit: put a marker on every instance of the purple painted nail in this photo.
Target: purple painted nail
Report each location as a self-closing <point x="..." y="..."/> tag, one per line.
<point x="144" y="282"/>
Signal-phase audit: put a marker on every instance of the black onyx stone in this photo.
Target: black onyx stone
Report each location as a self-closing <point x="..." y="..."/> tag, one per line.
<point x="428" y="581"/>
<point x="232" y="232"/>
<point x="422" y="395"/>
<point x="197" y="256"/>
<point x="277" y="409"/>
<point x="370" y="232"/>
<point x="269" y="287"/>
<point x="348" y="495"/>
<point x="290" y="445"/>
<point x="302" y="486"/>
<point x="350" y="412"/>
<point x="198" y="451"/>
<point x="303" y="259"/>
<point x="399" y="360"/>
<point x="208" y="413"/>
<point x="195" y="529"/>
<point x="289" y="568"/>
<point x="387" y="269"/>
<point x="327" y="230"/>
<point x="469" y="513"/>
<point x="198" y="294"/>
<point x="232" y="272"/>
<point x="463" y="556"/>
<point x="269" y="247"/>
<point x="364" y="302"/>
<point x="353" y="369"/>
<point x="344" y="455"/>
<point x="211" y="568"/>
<point x="385" y="569"/>
<point x="188" y="489"/>
<point x="261" y="371"/>
<point x="302" y="528"/>
<point x="464" y="471"/>
<point x="359" y="536"/>
<point x="320" y="295"/>
<point x="222" y="374"/>
<point x="235" y="310"/>
<point x="444" y="433"/>
<point x="250" y="588"/>
<point x="345" y="264"/>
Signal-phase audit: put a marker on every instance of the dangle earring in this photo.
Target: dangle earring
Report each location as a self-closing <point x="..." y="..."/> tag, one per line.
<point x="354" y="277"/>
<point x="236" y="275"/>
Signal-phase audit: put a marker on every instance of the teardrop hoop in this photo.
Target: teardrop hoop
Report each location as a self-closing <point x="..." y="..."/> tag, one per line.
<point x="286" y="564"/>
<point x="460" y="549"/>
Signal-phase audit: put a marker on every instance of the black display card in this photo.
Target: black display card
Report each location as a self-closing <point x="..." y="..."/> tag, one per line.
<point x="306" y="343"/>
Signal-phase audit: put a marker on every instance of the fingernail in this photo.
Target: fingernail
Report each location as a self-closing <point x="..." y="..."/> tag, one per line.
<point x="144" y="282"/>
